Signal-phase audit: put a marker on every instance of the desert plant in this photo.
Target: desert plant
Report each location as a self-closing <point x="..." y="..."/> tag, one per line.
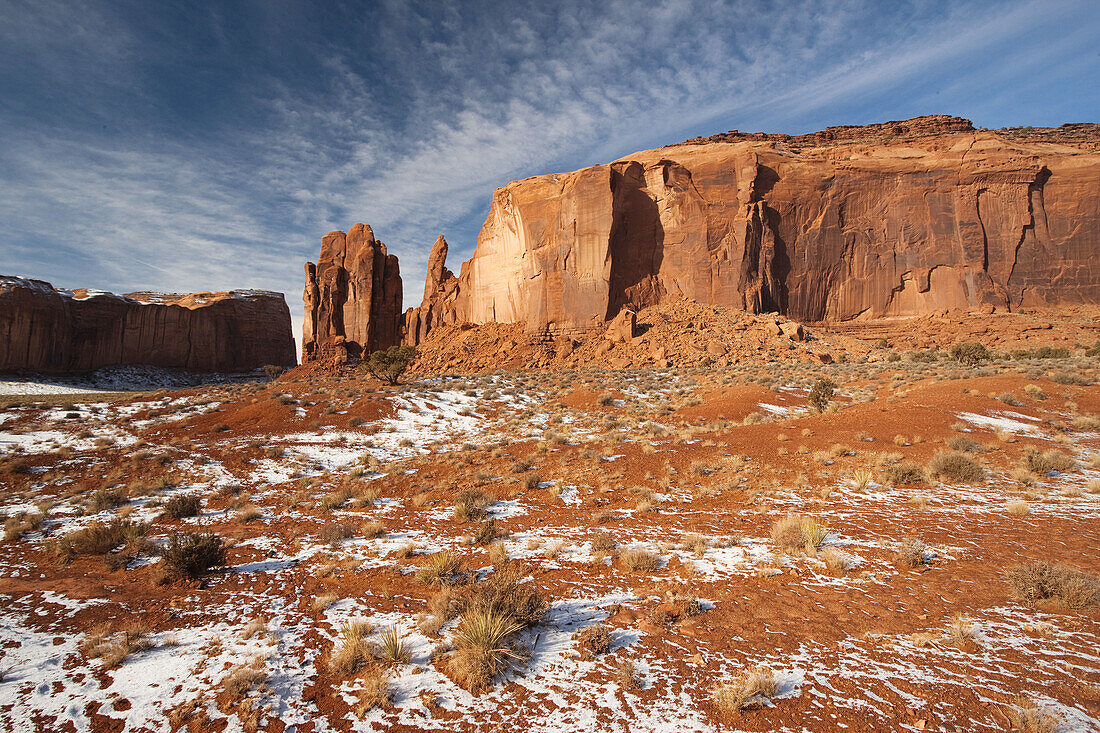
<point x="955" y="466"/>
<point x="821" y="394"/>
<point x="503" y="594"/>
<point x="795" y="533"/>
<point x="594" y="640"/>
<point x="748" y="689"/>
<point x="910" y="554"/>
<point x="441" y="568"/>
<point x="99" y="538"/>
<point x="637" y="558"/>
<point x="389" y="365"/>
<point x="483" y="649"/>
<point x="1043" y="583"/>
<point x="179" y="506"/>
<point x="1045" y="462"/>
<point x="969" y="353"/>
<point x="391" y="647"/>
<point x="375" y="691"/>
<point x="192" y="554"/>
<point x="905" y="473"/>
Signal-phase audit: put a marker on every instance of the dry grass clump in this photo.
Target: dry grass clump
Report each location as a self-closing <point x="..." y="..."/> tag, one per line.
<point x="372" y="529"/>
<point x="910" y="554"/>
<point x="495" y="610"/>
<point x="955" y="466"/>
<point x="794" y="533"/>
<point x="905" y="473"/>
<point x="244" y="679"/>
<point x="961" y="630"/>
<point x="375" y="691"/>
<point x="604" y="542"/>
<point x="441" y="568"/>
<point x="114" y="648"/>
<point x="1042" y="584"/>
<point x="637" y="558"/>
<point x="353" y="652"/>
<point x="626" y="675"/>
<point x="179" y="506"/>
<point x="20" y="524"/>
<point x="750" y="688"/>
<point x="391" y="647"/>
<point x="862" y="478"/>
<point x="1027" y="717"/>
<point x="1018" y="507"/>
<point x="333" y="533"/>
<point x="1042" y="464"/>
<point x="963" y="444"/>
<point x="104" y="499"/>
<point x="191" y="554"/>
<point x="99" y="538"/>
<point x="835" y="560"/>
<point x="594" y="640"/>
<point x="470" y="505"/>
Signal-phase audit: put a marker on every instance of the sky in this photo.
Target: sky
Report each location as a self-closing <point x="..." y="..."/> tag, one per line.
<point x="185" y="146"/>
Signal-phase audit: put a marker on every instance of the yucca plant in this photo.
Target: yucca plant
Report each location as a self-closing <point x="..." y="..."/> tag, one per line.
<point x="862" y="478"/>
<point x="441" y="569"/>
<point x="391" y="647"/>
<point x="482" y="649"/>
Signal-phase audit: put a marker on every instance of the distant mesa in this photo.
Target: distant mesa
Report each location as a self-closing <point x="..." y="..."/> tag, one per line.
<point x="48" y="330"/>
<point x="902" y="218"/>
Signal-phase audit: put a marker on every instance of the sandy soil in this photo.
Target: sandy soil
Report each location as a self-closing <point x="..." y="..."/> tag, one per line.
<point x="330" y="493"/>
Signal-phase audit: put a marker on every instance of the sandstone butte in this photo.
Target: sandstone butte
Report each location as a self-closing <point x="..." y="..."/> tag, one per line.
<point x="44" y="329"/>
<point x="858" y="222"/>
<point x="352" y="298"/>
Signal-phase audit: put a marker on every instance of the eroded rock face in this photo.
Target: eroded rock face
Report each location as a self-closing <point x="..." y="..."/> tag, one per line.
<point x="47" y="330"/>
<point x="352" y="298"/>
<point x="897" y="219"/>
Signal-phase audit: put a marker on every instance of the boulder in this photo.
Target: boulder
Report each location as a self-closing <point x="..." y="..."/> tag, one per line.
<point x="623" y="327"/>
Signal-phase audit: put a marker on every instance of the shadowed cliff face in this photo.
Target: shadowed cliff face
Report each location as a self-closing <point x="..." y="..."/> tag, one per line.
<point x="352" y="298"/>
<point x="848" y="223"/>
<point x="55" y="331"/>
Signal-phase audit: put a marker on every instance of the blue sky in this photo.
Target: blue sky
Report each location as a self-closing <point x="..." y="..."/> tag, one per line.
<point x="208" y="145"/>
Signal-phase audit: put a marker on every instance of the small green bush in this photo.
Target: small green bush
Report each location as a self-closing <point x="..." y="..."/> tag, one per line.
<point x="970" y="353"/>
<point x="822" y="393"/>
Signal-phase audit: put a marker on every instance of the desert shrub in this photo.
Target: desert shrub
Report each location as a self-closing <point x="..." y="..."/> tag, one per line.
<point x="502" y="594"/>
<point x="192" y="554"/>
<point x="1087" y="423"/>
<point x="375" y="691"/>
<point x="353" y="651"/>
<point x="107" y="499"/>
<point x="1043" y="463"/>
<point x="99" y="538"/>
<point x="594" y="640"/>
<point x="750" y="688"/>
<point x="486" y="532"/>
<point x="333" y="532"/>
<point x="905" y="473"/>
<point x="910" y="554"/>
<point x="955" y="466"/>
<point x="441" y="568"/>
<point x="603" y="542"/>
<point x="179" y="506"/>
<point x="924" y="357"/>
<point x="606" y="399"/>
<point x="822" y="393"/>
<point x="1044" y="583"/>
<point x="862" y="478"/>
<point x="970" y="353"/>
<point x="114" y="648"/>
<point x="21" y="523"/>
<point x="1009" y="399"/>
<point x="637" y="558"/>
<point x="795" y="533"/>
<point x="389" y="365"/>
<point x="391" y="647"/>
<point x="273" y="370"/>
<point x="470" y="505"/>
<point x="964" y="444"/>
<point x="483" y="649"/>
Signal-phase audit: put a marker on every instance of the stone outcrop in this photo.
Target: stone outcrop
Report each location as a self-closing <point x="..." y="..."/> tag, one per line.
<point x="44" y="329"/>
<point x="899" y="219"/>
<point x="352" y="298"/>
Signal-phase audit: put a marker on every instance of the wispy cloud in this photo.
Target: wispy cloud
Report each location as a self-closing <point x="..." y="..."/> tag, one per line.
<point x="212" y="148"/>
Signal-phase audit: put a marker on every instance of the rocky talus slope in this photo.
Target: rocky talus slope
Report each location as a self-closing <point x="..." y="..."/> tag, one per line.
<point x="897" y="219"/>
<point x="44" y="329"/>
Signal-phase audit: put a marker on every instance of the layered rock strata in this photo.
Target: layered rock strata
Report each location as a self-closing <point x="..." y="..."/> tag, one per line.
<point x="44" y="329"/>
<point x="898" y="219"/>
<point x="352" y="298"/>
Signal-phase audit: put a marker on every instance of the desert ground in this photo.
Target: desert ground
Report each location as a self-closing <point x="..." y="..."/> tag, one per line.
<point x="684" y="548"/>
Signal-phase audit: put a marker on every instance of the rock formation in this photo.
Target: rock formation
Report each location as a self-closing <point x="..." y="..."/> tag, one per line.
<point x="352" y="298"/>
<point x="897" y="219"/>
<point x="43" y="329"/>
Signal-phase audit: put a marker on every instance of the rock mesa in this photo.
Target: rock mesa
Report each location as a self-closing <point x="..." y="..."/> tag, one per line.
<point x="44" y="329"/>
<point x="897" y="219"/>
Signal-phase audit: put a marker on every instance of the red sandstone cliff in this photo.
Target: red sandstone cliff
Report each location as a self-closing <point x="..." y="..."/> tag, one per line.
<point x="902" y="218"/>
<point x="47" y="330"/>
<point x="352" y="298"/>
